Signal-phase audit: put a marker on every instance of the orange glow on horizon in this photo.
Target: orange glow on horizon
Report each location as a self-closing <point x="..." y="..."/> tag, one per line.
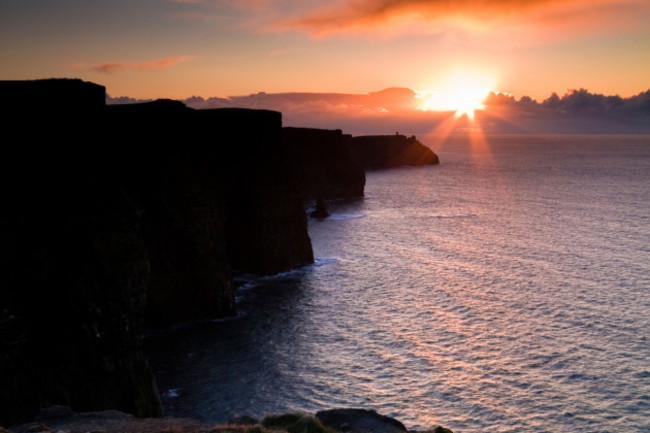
<point x="464" y="93"/>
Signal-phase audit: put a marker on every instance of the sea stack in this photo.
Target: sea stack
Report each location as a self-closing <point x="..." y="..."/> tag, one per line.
<point x="321" y="210"/>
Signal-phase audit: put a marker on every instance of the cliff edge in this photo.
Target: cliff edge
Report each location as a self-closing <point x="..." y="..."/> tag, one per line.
<point x="388" y="151"/>
<point x="324" y="164"/>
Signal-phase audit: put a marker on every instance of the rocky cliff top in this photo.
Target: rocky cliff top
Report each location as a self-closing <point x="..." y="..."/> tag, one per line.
<point x="62" y="419"/>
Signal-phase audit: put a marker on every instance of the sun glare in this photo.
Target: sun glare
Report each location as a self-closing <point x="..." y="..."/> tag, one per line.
<point x="463" y="94"/>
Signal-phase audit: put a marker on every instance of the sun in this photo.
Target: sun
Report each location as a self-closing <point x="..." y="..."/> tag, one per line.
<point x="463" y="94"/>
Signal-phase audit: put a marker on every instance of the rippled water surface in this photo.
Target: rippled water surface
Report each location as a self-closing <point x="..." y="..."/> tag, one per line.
<point x="505" y="290"/>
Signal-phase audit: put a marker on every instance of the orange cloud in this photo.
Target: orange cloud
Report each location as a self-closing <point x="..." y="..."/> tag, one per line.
<point x="110" y="67"/>
<point x="435" y="16"/>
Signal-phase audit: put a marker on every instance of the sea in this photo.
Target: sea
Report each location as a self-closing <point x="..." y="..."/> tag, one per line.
<point x="506" y="289"/>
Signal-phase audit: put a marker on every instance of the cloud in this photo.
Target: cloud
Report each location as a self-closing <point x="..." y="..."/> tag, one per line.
<point x="396" y="109"/>
<point x="436" y="16"/>
<point x="394" y="100"/>
<point x="153" y="65"/>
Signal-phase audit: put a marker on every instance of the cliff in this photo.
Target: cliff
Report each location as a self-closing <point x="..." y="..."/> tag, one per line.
<point x="216" y="194"/>
<point x="266" y="224"/>
<point x="323" y="163"/>
<point x="47" y="97"/>
<point x="125" y="217"/>
<point x="387" y="151"/>
<point x="75" y="266"/>
<point x="117" y="219"/>
<point x="161" y="170"/>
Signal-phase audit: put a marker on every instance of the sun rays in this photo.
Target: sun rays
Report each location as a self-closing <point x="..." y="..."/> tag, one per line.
<point x="463" y="93"/>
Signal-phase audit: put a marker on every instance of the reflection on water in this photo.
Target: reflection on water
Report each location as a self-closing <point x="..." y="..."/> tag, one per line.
<point x="506" y="289"/>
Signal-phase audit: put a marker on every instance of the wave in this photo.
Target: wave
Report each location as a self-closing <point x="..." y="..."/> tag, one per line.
<point x="346" y="216"/>
<point x="246" y="286"/>
<point x="457" y="215"/>
<point x="320" y="261"/>
<point x="246" y="281"/>
<point x="171" y="393"/>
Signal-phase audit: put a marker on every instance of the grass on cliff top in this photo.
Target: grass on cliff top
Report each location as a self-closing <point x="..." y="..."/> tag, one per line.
<point x="289" y="423"/>
<point x="301" y="423"/>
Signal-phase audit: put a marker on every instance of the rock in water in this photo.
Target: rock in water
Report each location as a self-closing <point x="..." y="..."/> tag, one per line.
<point x="321" y="210"/>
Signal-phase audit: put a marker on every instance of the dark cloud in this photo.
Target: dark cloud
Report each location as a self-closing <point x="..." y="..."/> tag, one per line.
<point x="396" y="109"/>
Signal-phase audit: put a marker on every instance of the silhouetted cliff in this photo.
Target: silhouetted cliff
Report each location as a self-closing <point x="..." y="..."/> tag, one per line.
<point x="323" y="163"/>
<point x="163" y="158"/>
<point x="48" y="97"/>
<point x="386" y="151"/>
<point x="217" y="194"/>
<point x="121" y="217"/>
<point x="266" y="225"/>
<point x="75" y="266"/>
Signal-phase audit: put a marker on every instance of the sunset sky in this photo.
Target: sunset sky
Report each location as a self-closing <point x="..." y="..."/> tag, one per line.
<point x="180" y="48"/>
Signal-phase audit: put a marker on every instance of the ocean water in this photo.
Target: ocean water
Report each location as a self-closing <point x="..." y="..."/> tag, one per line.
<point x="506" y="289"/>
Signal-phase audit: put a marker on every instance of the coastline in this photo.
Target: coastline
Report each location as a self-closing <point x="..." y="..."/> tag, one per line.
<point x="123" y="227"/>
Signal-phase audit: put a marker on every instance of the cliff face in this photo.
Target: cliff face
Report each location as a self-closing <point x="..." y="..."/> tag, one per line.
<point x="387" y="151"/>
<point x="324" y="164"/>
<point x="74" y="282"/>
<point x="116" y="218"/>
<point x="165" y="167"/>
<point x="75" y="267"/>
<point x="266" y="224"/>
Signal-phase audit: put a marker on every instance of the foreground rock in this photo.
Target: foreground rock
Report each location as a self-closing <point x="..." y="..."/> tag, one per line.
<point x="62" y="419"/>
<point x="359" y="421"/>
<point x="111" y="421"/>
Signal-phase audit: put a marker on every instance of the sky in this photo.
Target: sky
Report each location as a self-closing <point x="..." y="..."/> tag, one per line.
<point x="180" y="48"/>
